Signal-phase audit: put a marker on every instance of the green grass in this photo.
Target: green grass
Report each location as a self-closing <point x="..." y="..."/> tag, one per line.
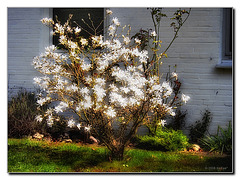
<point x="40" y="156"/>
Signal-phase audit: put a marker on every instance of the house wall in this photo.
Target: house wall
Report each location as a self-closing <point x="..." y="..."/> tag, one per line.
<point x="27" y="37"/>
<point x="196" y="52"/>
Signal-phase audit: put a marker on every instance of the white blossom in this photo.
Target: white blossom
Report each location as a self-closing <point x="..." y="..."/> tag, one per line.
<point x="87" y="102"/>
<point x="174" y="75"/>
<point x="88" y="79"/>
<point x="125" y="90"/>
<point x="63" y="39"/>
<point x="79" y="126"/>
<point x="63" y="57"/>
<point x="100" y="81"/>
<point x="69" y="29"/>
<point x="87" y="128"/>
<point x="77" y="30"/>
<point x="118" y="99"/>
<point x="49" y="111"/>
<point x="57" y="69"/>
<point x="84" y="91"/>
<point x="72" y="45"/>
<point x="167" y="90"/>
<point x="47" y="21"/>
<point x="71" y="123"/>
<point x="50" y="49"/>
<point x="169" y="110"/>
<point x="39" y="118"/>
<point x="109" y="12"/>
<point x="37" y="80"/>
<point x="143" y="56"/>
<point x="172" y="113"/>
<point x="86" y="67"/>
<point x="138" y="92"/>
<point x="97" y="40"/>
<point x="126" y="40"/>
<point x="132" y="101"/>
<point x="100" y="92"/>
<point x="153" y="34"/>
<point x="137" y="41"/>
<point x="61" y="107"/>
<point x="140" y="68"/>
<point x="111" y="30"/>
<point x="116" y="21"/>
<point x="185" y="98"/>
<point x="162" y="123"/>
<point x="42" y="101"/>
<point x="110" y="112"/>
<point x="113" y="88"/>
<point x="84" y="42"/>
<point x="72" y="88"/>
<point x="50" y="120"/>
<point x="102" y="64"/>
<point x="59" y="29"/>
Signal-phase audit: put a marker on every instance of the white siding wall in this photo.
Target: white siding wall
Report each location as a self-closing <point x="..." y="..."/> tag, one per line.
<point x="196" y="53"/>
<point x="26" y="39"/>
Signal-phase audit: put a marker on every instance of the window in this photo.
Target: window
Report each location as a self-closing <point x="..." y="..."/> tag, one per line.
<point x="96" y="14"/>
<point x="227" y="38"/>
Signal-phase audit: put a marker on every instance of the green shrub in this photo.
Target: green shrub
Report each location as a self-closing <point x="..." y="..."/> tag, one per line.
<point x="22" y="110"/>
<point x="164" y="140"/>
<point x="221" y="142"/>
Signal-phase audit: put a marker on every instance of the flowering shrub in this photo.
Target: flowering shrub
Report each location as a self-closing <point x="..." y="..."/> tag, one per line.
<point x="102" y="81"/>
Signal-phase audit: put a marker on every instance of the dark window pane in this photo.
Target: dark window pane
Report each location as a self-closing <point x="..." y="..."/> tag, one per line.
<point x="227" y="32"/>
<point x="93" y="28"/>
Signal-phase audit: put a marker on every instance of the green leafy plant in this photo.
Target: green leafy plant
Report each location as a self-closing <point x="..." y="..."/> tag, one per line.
<point x="198" y="130"/>
<point x="221" y="142"/>
<point x="164" y="140"/>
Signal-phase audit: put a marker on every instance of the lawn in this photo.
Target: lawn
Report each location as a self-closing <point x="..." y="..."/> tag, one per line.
<point x="26" y="155"/>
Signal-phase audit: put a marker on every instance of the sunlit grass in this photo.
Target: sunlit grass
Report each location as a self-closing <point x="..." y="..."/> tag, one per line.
<point x="41" y="156"/>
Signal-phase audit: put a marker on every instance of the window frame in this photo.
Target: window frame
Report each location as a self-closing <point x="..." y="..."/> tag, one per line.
<point x="226" y="59"/>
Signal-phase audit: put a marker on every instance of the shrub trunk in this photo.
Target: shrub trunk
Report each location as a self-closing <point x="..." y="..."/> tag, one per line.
<point x="117" y="153"/>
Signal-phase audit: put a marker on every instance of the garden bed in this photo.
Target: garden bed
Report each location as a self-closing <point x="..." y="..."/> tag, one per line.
<point x="26" y="155"/>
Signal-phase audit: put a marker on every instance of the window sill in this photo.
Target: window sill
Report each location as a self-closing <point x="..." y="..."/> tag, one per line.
<point x="224" y="65"/>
